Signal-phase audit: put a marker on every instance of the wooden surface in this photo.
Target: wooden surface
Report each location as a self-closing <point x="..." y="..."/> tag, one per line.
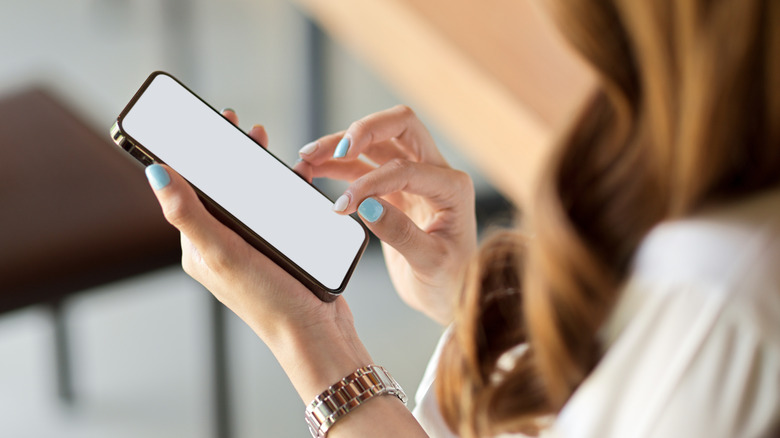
<point x="75" y="211"/>
<point x="494" y="75"/>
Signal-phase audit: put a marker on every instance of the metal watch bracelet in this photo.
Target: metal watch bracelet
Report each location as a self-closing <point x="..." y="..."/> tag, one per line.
<point x="347" y="394"/>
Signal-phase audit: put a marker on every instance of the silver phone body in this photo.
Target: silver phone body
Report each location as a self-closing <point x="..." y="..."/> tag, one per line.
<point x="242" y="184"/>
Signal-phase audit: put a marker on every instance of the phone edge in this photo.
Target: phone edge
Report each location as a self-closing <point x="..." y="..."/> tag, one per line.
<point x="145" y="157"/>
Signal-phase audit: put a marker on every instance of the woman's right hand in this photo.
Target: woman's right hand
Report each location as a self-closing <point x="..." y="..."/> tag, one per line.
<point x="420" y="208"/>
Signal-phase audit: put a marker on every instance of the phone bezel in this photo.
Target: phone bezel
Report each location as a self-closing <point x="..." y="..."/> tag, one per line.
<point x="321" y="291"/>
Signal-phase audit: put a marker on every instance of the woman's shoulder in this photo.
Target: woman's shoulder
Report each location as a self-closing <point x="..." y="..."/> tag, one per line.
<point x="722" y="249"/>
<point x="725" y="259"/>
<point x="693" y="345"/>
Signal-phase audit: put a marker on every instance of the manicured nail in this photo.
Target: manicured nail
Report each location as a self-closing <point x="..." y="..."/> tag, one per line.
<point x="371" y="209"/>
<point x="342" y="148"/>
<point x="309" y="148"/>
<point x="229" y="109"/>
<point x="157" y="176"/>
<point x="341" y="203"/>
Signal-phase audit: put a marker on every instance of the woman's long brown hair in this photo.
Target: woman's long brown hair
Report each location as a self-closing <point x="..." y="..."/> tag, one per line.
<point x="687" y="113"/>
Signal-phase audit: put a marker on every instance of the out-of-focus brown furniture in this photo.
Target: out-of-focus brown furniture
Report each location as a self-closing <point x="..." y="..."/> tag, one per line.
<point x="494" y="75"/>
<point x="76" y="213"/>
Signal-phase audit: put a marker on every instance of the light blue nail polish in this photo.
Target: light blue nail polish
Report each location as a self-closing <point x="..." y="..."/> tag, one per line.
<point x="371" y="209"/>
<point x="342" y="148"/>
<point x="157" y="176"/>
<point x="228" y="109"/>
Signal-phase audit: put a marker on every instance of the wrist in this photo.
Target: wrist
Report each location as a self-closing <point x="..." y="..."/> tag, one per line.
<point x="318" y="355"/>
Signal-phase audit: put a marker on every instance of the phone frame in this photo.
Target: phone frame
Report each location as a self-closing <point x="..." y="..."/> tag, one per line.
<point x="146" y="157"/>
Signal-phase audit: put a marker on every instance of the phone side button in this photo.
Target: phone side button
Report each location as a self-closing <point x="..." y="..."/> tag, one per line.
<point x="140" y="156"/>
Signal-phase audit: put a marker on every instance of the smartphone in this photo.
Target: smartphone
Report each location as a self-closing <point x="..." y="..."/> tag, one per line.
<point x="242" y="184"/>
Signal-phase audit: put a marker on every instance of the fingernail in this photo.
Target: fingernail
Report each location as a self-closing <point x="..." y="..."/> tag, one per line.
<point x="342" y="148"/>
<point x="229" y="109"/>
<point x="157" y="176"/>
<point x="341" y="203"/>
<point x="371" y="209"/>
<point x="309" y="148"/>
<point x="299" y="160"/>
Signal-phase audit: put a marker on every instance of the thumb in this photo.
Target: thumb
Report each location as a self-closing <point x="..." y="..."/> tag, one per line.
<point x="395" y="228"/>
<point x="182" y="208"/>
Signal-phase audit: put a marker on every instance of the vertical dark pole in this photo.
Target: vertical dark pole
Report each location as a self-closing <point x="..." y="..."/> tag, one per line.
<point x="62" y="353"/>
<point x="221" y="394"/>
<point x="316" y="79"/>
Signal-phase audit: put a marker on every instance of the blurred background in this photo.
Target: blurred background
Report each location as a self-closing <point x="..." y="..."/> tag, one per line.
<point x="141" y="349"/>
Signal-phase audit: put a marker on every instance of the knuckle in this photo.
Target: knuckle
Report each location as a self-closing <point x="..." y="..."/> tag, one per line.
<point x="188" y="265"/>
<point x="464" y="181"/>
<point x="404" y="235"/>
<point x="405" y="111"/>
<point x="393" y="169"/>
<point x="177" y="212"/>
<point x="218" y="259"/>
<point x="192" y="264"/>
<point x="359" y="128"/>
<point x="398" y="165"/>
<point x="358" y="187"/>
<point x="399" y="170"/>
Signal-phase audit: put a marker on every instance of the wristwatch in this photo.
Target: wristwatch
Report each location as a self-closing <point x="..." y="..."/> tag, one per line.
<point x="347" y="394"/>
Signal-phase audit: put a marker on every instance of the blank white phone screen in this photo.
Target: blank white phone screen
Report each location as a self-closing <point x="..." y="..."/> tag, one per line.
<point x="245" y="180"/>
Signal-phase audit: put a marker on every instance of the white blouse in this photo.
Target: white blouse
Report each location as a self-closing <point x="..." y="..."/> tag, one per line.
<point x="693" y="345"/>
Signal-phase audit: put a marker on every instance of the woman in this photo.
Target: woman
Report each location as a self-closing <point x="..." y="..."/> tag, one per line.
<point x="646" y="301"/>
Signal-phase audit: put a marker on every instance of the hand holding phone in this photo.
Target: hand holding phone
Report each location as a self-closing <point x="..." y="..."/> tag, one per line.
<point x="243" y="185"/>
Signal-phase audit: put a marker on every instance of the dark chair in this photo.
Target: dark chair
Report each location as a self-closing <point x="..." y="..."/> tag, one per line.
<point x="76" y="213"/>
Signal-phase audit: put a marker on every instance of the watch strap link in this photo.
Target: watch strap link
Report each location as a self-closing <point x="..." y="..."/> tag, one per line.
<point x="347" y="394"/>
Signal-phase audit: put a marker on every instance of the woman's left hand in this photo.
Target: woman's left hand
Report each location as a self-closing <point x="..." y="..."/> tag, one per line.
<point x="289" y="318"/>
